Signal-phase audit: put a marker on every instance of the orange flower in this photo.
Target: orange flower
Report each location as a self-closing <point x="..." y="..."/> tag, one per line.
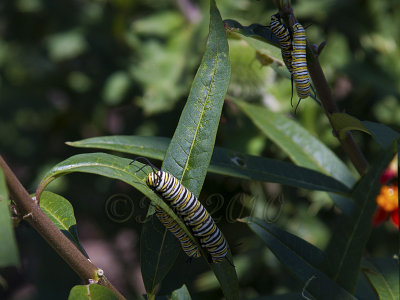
<point x="388" y="205"/>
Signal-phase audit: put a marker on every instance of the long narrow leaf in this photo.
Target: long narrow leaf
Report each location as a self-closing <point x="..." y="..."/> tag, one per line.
<point x="8" y="246"/>
<point x="300" y="261"/>
<point x="383" y="274"/>
<point x="191" y="147"/>
<point x="381" y="133"/>
<point x="109" y="166"/>
<point x="256" y="31"/>
<point x="302" y="148"/>
<point x="347" y="244"/>
<point x="224" y="162"/>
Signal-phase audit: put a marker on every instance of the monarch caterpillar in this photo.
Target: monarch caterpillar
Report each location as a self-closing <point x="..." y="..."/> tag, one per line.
<point x="192" y="212"/>
<point x="299" y="62"/>
<point x="188" y="246"/>
<point x="285" y="41"/>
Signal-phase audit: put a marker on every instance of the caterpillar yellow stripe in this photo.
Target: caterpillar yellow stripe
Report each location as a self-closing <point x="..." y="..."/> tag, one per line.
<point x="299" y="62"/>
<point x="285" y="41"/>
<point x="193" y="213"/>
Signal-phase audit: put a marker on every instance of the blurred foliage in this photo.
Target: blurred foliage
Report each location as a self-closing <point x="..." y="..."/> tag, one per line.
<point x="77" y="69"/>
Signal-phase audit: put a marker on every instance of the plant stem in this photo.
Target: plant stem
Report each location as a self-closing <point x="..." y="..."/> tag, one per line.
<point x="330" y="107"/>
<point x="32" y="213"/>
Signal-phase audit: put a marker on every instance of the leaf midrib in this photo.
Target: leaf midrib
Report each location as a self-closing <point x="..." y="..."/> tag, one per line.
<point x="206" y="101"/>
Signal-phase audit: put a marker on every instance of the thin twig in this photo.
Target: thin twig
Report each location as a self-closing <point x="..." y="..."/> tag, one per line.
<point x="32" y="213"/>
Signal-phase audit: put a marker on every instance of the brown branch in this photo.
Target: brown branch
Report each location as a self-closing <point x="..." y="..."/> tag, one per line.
<point x="325" y="95"/>
<point x="329" y="105"/>
<point x="32" y="213"/>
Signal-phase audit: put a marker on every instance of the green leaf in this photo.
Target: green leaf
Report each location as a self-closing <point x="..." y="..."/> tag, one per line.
<point x="302" y="148"/>
<point x="382" y="134"/>
<point x="300" y="261"/>
<point x="115" y="88"/>
<point x="256" y="31"/>
<point x="161" y="24"/>
<point x="158" y="251"/>
<point x="224" y="162"/>
<point x="164" y="65"/>
<point x="344" y="122"/>
<point x="348" y="241"/>
<point x="383" y="274"/>
<point x="152" y="147"/>
<point x="109" y="166"/>
<point x="181" y="294"/>
<point x="8" y="246"/>
<point x="61" y="213"/>
<point x="66" y="45"/>
<point x="364" y="289"/>
<point x="191" y="147"/>
<point x="308" y="252"/>
<point x="262" y="40"/>
<point x="91" y="292"/>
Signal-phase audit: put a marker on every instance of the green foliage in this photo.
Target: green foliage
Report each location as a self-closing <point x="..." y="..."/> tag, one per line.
<point x="187" y="158"/>
<point x="91" y="292"/>
<point x="383" y="274"/>
<point x="224" y="162"/>
<point x="181" y="294"/>
<point x="302" y="148"/>
<point x="61" y="213"/>
<point x="301" y="258"/>
<point x="121" y="69"/>
<point x="351" y="234"/>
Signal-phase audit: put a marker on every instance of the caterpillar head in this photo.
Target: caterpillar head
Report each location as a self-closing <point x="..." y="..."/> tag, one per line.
<point x="153" y="179"/>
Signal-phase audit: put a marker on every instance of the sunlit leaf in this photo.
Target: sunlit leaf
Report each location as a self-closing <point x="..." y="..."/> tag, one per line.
<point x="302" y="148"/>
<point x="8" y="247"/>
<point x="181" y="294"/>
<point x="61" y="213"/>
<point x="91" y="292"/>
<point x="109" y="166"/>
<point x="116" y="87"/>
<point x="191" y="147"/>
<point x="344" y="122"/>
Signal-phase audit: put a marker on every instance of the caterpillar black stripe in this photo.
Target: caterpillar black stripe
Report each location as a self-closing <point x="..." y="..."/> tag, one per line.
<point x="188" y="246"/>
<point x="299" y="62"/>
<point x="193" y="213"/>
<point x="285" y="41"/>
